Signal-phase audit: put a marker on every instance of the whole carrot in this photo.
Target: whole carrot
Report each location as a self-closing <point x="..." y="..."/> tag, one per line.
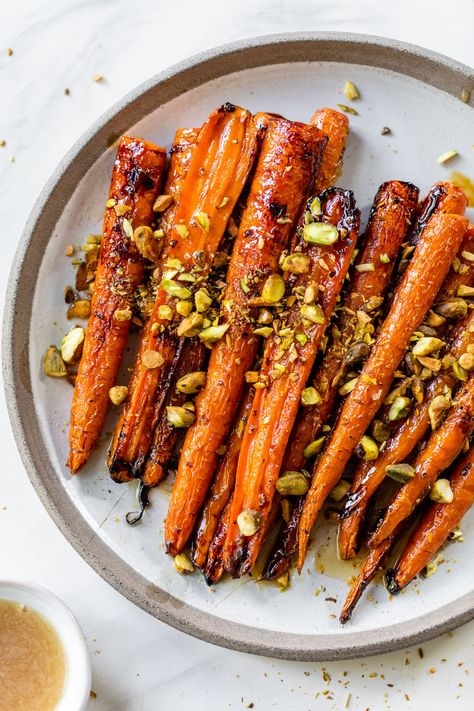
<point x="335" y="126"/>
<point x="444" y="445"/>
<point x="314" y="273"/>
<point x="429" y="265"/>
<point x="220" y="164"/>
<point x="136" y="179"/>
<point x="435" y="526"/>
<point x="284" y="174"/>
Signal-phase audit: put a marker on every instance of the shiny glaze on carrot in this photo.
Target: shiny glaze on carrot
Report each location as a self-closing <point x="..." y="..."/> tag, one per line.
<point x="439" y="242"/>
<point x="136" y="179"/>
<point x="284" y="175"/>
<point x="335" y="126"/>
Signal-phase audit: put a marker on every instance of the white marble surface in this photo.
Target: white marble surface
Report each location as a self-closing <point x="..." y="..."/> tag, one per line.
<point x="139" y="663"/>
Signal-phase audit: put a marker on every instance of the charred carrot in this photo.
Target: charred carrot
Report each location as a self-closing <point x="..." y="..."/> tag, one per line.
<point x="220" y="164"/>
<point x="285" y="171"/>
<point x="443" y="198"/>
<point x="223" y="484"/>
<point x="314" y="273"/>
<point x="435" y="526"/>
<point x="335" y="126"/>
<point x="392" y="213"/>
<point x="429" y="265"/>
<point x="444" y="445"/>
<point x="136" y="179"/>
<point x="214" y="567"/>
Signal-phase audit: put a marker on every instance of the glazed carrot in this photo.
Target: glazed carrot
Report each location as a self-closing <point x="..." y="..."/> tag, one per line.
<point x="443" y="197"/>
<point x="442" y="448"/>
<point x="136" y="178"/>
<point x="287" y="362"/>
<point x="369" y="475"/>
<point x="221" y="161"/>
<point x="429" y="265"/>
<point x="335" y="126"/>
<point x="214" y="567"/>
<point x="223" y="484"/>
<point x="181" y="153"/>
<point x="435" y="526"/>
<point x="285" y="171"/>
<point x="390" y="218"/>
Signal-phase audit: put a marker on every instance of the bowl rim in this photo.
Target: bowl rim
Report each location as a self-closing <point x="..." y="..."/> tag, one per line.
<point x="427" y="66"/>
<point x="77" y="682"/>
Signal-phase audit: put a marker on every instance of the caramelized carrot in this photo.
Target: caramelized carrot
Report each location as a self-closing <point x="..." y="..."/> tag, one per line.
<point x="429" y="265"/>
<point x="369" y="475"/>
<point x="435" y="526"/>
<point x="443" y="198"/>
<point x="214" y="567"/>
<point x="221" y="161"/>
<point x="137" y="177"/>
<point x="288" y="162"/>
<point x="392" y="213"/>
<point x="287" y="363"/>
<point x="335" y="126"/>
<point x="181" y="153"/>
<point x="223" y="484"/>
<point x="442" y="448"/>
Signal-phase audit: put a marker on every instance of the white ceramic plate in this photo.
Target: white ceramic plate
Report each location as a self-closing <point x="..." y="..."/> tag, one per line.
<point x="414" y="93"/>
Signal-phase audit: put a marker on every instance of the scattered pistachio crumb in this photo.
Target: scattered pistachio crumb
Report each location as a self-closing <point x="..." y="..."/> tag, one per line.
<point x="348" y="109"/>
<point x="3" y="143"/>
<point x="448" y="155"/>
<point x="98" y="78"/>
<point x="9" y="51"/>
<point x="66" y="92"/>
<point x="69" y="250"/>
<point x="351" y="91"/>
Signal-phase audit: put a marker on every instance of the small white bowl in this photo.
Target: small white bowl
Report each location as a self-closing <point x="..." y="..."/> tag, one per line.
<point x="77" y="682"/>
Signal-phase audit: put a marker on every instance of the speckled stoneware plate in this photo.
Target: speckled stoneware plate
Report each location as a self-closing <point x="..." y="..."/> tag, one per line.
<point x="415" y="93"/>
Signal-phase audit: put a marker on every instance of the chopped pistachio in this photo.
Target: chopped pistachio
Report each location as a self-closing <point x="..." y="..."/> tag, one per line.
<point x="110" y="202"/>
<point x="223" y="202"/>
<point x="146" y="243"/>
<point x="380" y="431"/>
<point x="283" y="581"/>
<point x="264" y="331"/>
<point x="296" y="263"/>
<point x="190" y="325"/>
<point x="203" y="220"/>
<point x="53" y="364"/>
<point x="448" y="155"/>
<point x="165" y="312"/>
<point x="251" y="376"/>
<point x="292" y="483"/>
<point x="191" y="382"/>
<point x="459" y="372"/>
<point x="315" y="207"/>
<point x="182" y="230"/>
<point x="456" y="535"/>
<point x="249" y="521"/>
<point x="348" y="386"/>
<point x="465" y="96"/>
<point x="202" y="300"/>
<point x="452" y="308"/>
<point x="400" y="472"/>
<point x="432" y="364"/>
<point x="69" y="250"/>
<point x="152" y="359"/>
<point x="434" y="320"/>
<point x="184" y="308"/>
<point x="283" y="220"/>
<point x="174" y="289"/>
<point x="98" y="78"/>
<point x="340" y="490"/>
<point x="365" y="267"/>
<point x="466" y="361"/>
<point x="179" y="416"/>
<point x="400" y="408"/>
<point x="348" y="109"/>
<point x="71" y="346"/>
<point x="162" y="202"/>
<point x="123" y="315"/>
<point x="310" y="396"/>
<point x="121" y="209"/>
<point x="118" y="394"/>
<point x="158" y="234"/>
<point x="183" y="564"/>
<point x="322" y="233"/>
<point x="313" y="313"/>
<point x="79" y="309"/>
<point x="441" y="492"/>
<point x="310" y="293"/>
<point x="432" y="566"/>
<point x="314" y="448"/>
<point x="464" y="290"/>
<point x="351" y="91"/>
<point x="367" y="449"/>
<point x="437" y="410"/>
<point x="213" y="333"/>
<point x="273" y="289"/>
<point x="427" y="345"/>
<point x="302" y="338"/>
<point x="384" y="258"/>
<point x="127" y="228"/>
<point x="244" y="286"/>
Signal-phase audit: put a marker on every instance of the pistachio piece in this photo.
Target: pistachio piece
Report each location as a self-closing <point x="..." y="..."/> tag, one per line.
<point x="313" y="313"/>
<point x="202" y="300"/>
<point x="213" y="333"/>
<point x="203" y="219"/>
<point x="322" y="233"/>
<point x="162" y="202"/>
<point x="249" y="521"/>
<point x="384" y="258"/>
<point x="53" y="364"/>
<point x="432" y="566"/>
<point x="283" y="581"/>
<point x="72" y="343"/>
<point x="152" y="359"/>
<point x="459" y="372"/>
<point x="183" y="564"/>
<point x="417" y="390"/>
<point x="123" y="315"/>
<point x="273" y="289"/>
<point x="183" y="231"/>
<point x="464" y="290"/>
<point x="367" y="449"/>
<point x="380" y="431"/>
<point x="292" y="484"/>
<point x="165" y="312"/>
<point x="310" y="396"/>
<point x="174" y="289"/>
<point x="118" y="394"/>
<point x="264" y="331"/>
<point x="127" y="228"/>
<point x="340" y="490"/>
<point x="448" y="155"/>
<point x="351" y="91"/>
<point x="121" y="209"/>
<point x="79" y="309"/>
<point x="265" y="317"/>
<point x="427" y="345"/>
<point x="434" y="320"/>
<point x="433" y="364"/>
<point x="179" y="416"/>
<point x="437" y="410"/>
<point x="348" y="386"/>
<point x="190" y="326"/>
<point x="184" y="308"/>
<point x="315" y="207"/>
<point x="400" y="472"/>
<point x="296" y="263"/>
<point x="441" y="492"/>
<point x="251" y="376"/>
<point x="356" y="354"/>
<point x="146" y="243"/>
<point x="466" y="361"/>
<point x="400" y="408"/>
<point x="191" y="382"/>
<point x="365" y="267"/>
<point x="452" y="308"/>
<point x="302" y="338"/>
<point x="313" y="448"/>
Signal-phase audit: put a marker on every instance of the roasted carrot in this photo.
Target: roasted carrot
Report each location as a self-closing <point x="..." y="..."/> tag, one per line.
<point x="335" y="126"/>
<point x="369" y="475"/>
<point x="214" y="566"/>
<point x="435" y="526"/>
<point x="443" y="197"/>
<point x="444" y="445"/>
<point x="223" y="484"/>
<point x="429" y="265"/>
<point x="285" y="172"/>
<point x="137" y="177"/>
<point x="220" y="164"/>
<point x="181" y="153"/>
<point x="287" y="362"/>
<point x="392" y="213"/>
